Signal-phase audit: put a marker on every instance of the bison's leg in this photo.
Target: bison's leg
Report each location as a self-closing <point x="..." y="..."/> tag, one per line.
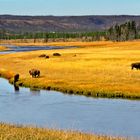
<point x="38" y="74"/>
<point x="16" y="78"/>
<point x="32" y="75"/>
<point x="35" y="75"/>
<point x="136" y="67"/>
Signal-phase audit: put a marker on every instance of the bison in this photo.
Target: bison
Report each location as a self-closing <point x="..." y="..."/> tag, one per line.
<point x="56" y="54"/>
<point x="135" y="65"/>
<point x="42" y="55"/>
<point x="34" y="73"/>
<point x="16" y="78"/>
<point x="47" y="57"/>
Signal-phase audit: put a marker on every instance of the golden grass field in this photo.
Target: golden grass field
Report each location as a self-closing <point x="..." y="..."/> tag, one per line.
<point x="100" y="69"/>
<point x="11" y="132"/>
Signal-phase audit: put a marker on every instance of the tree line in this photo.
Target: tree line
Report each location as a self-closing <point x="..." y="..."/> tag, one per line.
<point x="86" y="36"/>
<point x="122" y="32"/>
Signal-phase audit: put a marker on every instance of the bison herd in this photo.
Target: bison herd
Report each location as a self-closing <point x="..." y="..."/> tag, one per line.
<point x="47" y="56"/>
<point x="35" y="72"/>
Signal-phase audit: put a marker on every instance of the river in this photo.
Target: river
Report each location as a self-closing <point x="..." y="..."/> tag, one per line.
<point x="14" y="49"/>
<point x="53" y="109"/>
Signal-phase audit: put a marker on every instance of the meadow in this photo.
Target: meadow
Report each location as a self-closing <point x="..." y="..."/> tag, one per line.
<point x="98" y="69"/>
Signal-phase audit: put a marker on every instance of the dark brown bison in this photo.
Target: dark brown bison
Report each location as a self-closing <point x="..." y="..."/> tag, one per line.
<point x="42" y="55"/>
<point x="34" y="73"/>
<point x="16" y="78"/>
<point x="56" y="54"/>
<point x="47" y="57"/>
<point x="135" y="65"/>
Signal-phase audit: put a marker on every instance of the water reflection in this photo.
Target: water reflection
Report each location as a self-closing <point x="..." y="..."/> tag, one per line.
<point x="16" y="88"/>
<point x="35" y="91"/>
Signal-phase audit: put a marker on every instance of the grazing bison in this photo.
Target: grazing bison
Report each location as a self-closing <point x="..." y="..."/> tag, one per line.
<point x="135" y="65"/>
<point x="47" y="57"/>
<point x="56" y="54"/>
<point x="42" y="55"/>
<point x="34" y="73"/>
<point x="16" y="78"/>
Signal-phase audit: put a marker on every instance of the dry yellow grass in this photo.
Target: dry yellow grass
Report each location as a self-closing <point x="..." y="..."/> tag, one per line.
<point x="10" y="132"/>
<point x="30" y="42"/>
<point x="3" y="48"/>
<point x="96" y="69"/>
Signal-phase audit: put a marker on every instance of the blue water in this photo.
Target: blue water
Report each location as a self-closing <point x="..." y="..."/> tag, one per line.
<point x="56" y="110"/>
<point x="13" y="49"/>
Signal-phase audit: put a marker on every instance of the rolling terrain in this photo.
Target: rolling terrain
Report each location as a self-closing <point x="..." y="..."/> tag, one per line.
<point x="62" y="23"/>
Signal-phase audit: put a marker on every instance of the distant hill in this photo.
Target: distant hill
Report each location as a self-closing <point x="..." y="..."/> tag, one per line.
<point x="62" y="23"/>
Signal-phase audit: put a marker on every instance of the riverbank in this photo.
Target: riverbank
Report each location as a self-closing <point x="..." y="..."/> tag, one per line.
<point x="3" y="48"/>
<point x="97" y="69"/>
<point x="19" y="132"/>
<point x="30" y="42"/>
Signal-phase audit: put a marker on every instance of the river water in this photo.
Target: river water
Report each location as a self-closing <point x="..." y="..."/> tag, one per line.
<point x="13" y="49"/>
<point x="53" y="109"/>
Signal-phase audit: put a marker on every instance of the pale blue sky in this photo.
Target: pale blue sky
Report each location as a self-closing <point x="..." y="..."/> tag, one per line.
<point x="70" y="7"/>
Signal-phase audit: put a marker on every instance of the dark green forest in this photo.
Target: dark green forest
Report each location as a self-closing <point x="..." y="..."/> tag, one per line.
<point x="123" y="32"/>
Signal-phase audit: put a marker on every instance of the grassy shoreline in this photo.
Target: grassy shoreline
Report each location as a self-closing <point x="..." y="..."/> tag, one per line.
<point x="3" y="48"/>
<point x="97" y="69"/>
<point x="96" y="94"/>
<point x="30" y="42"/>
<point x="16" y="132"/>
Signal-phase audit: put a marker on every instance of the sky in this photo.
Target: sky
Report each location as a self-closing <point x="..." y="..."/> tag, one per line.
<point x="70" y="7"/>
